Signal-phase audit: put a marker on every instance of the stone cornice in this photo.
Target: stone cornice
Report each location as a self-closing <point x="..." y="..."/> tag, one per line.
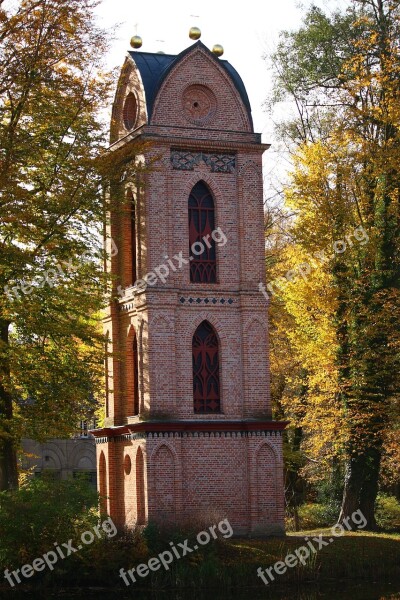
<point x="162" y="136"/>
<point x="146" y="429"/>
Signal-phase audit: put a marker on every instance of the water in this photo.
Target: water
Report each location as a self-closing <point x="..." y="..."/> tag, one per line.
<point x="339" y="591"/>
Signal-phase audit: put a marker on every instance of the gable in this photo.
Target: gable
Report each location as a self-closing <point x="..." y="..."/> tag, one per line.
<point x="129" y="109"/>
<point x="199" y="90"/>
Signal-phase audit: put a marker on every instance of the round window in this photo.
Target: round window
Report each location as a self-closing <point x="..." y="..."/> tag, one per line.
<point x="199" y="103"/>
<point x="129" y="112"/>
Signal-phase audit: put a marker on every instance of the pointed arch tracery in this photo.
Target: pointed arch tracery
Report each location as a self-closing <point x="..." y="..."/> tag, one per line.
<point x="206" y="381"/>
<point x="203" y="260"/>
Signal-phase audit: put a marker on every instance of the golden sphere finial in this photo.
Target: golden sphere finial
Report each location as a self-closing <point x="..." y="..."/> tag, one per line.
<point x="136" y="42"/>
<point x="194" y="33"/>
<point x="218" y="50"/>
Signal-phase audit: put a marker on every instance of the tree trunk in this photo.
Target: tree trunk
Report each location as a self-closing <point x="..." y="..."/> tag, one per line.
<point x="8" y="451"/>
<point x="8" y="465"/>
<point x="361" y="486"/>
<point x="296" y="519"/>
<point x="294" y="492"/>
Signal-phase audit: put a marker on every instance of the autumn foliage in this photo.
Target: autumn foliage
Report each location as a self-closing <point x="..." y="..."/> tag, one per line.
<point x="52" y="91"/>
<point x="342" y="320"/>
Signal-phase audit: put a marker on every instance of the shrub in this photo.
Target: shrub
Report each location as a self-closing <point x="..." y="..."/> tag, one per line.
<point x="101" y="562"/>
<point x="388" y="512"/>
<point x="313" y="516"/>
<point x="41" y="513"/>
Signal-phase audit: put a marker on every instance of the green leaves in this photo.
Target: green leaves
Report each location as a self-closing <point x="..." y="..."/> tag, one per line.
<point x="342" y="74"/>
<point x="52" y="91"/>
<point x="49" y="511"/>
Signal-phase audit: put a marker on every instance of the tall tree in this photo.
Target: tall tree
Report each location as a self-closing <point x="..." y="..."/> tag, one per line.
<point x="343" y="73"/>
<point x="52" y="92"/>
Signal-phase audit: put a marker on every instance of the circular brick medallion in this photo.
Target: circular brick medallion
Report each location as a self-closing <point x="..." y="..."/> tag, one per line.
<point x="199" y="104"/>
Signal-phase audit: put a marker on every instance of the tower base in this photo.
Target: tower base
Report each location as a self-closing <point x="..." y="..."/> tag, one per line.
<point x="194" y="471"/>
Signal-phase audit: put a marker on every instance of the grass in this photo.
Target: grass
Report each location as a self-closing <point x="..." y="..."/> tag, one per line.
<point x="365" y="555"/>
<point x="232" y="564"/>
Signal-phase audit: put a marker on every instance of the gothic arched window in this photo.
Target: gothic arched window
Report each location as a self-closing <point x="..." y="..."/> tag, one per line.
<point x="135" y="376"/>
<point x="203" y="263"/>
<point x="206" y="387"/>
<point x="140" y="495"/>
<point x="132" y="374"/>
<point x="133" y="240"/>
<point x="103" y="483"/>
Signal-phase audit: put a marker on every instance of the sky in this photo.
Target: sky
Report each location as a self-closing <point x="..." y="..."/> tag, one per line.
<point x="248" y="30"/>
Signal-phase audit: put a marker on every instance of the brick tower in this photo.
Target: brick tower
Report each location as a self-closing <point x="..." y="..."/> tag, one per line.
<point x="188" y="431"/>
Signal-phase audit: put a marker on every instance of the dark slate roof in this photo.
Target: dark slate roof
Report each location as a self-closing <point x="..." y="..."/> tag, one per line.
<point x="154" y="67"/>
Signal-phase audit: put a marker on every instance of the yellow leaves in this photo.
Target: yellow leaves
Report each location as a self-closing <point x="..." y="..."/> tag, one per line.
<point x="336" y="354"/>
<point x="304" y="317"/>
<point x="391" y="456"/>
<point x="311" y="164"/>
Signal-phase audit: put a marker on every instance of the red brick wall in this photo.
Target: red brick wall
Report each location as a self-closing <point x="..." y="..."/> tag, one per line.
<point x="237" y="476"/>
<point x="201" y="478"/>
<point x="199" y="68"/>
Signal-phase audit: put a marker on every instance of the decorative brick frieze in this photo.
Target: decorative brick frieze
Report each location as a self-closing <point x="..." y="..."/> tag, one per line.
<point x="189" y="434"/>
<point x="207" y="301"/>
<point x="184" y="160"/>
